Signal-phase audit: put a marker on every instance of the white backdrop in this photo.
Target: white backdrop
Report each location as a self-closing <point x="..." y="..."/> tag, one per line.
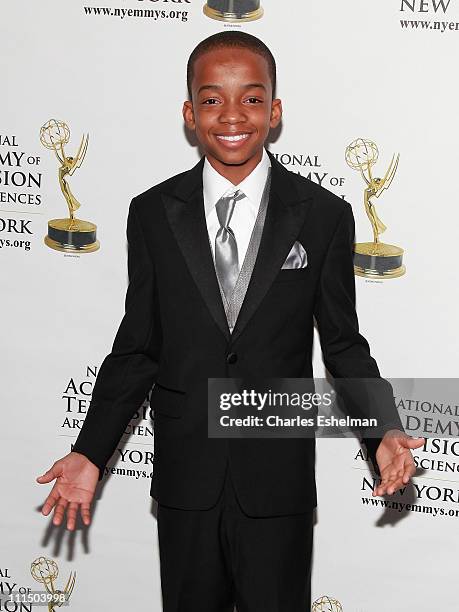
<point x="345" y="70"/>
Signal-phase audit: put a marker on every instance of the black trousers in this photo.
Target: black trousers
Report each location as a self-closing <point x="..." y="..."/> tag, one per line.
<point x="211" y="560"/>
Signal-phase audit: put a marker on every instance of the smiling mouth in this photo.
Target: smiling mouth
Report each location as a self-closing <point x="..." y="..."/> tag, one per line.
<point x="233" y="137"/>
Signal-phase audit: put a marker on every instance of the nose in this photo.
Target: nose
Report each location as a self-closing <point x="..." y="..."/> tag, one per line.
<point x="232" y="112"/>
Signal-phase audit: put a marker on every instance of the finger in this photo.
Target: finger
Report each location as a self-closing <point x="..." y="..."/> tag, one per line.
<point x="85" y="513"/>
<point x="387" y="486"/>
<point x="409" y="471"/>
<point x="400" y="477"/>
<point x="412" y="442"/>
<point x="50" y="474"/>
<point x="50" y="501"/>
<point x="381" y="488"/>
<point x="394" y="486"/>
<point x="388" y="476"/>
<point x="71" y="515"/>
<point x="59" y="511"/>
<point x="377" y="491"/>
<point x="396" y="477"/>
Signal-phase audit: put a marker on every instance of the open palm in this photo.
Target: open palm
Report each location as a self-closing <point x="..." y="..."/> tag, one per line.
<point x="395" y="461"/>
<point x="76" y="480"/>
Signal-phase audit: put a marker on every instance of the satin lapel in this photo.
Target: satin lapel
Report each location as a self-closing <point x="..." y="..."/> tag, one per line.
<point x="185" y="213"/>
<point x="285" y="215"/>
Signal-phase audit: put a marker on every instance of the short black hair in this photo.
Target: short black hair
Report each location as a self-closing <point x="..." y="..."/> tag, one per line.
<point x="232" y="39"/>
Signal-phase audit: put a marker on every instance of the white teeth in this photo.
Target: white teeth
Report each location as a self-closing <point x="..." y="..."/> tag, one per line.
<point x="234" y="138"/>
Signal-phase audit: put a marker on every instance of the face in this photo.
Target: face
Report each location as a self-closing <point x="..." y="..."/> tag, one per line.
<point x="232" y="110"/>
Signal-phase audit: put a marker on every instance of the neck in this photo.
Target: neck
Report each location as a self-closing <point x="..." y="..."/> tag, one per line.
<point x="236" y="173"/>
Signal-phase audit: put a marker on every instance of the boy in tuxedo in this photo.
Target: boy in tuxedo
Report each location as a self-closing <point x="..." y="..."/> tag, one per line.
<point x="228" y="264"/>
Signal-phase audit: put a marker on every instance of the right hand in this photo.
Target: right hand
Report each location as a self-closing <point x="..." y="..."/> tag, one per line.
<point x="76" y="480"/>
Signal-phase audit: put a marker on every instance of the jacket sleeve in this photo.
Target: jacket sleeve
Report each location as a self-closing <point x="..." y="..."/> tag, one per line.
<point x="129" y="370"/>
<point x="345" y="351"/>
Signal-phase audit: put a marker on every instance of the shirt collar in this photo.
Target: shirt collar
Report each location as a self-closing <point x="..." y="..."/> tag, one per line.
<point x="215" y="185"/>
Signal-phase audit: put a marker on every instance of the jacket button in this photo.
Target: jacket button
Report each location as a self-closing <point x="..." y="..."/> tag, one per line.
<point x="231" y="358"/>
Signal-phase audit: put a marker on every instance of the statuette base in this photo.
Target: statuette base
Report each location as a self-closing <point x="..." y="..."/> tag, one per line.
<point x="72" y="236"/>
<point x="378" y="260"/>
<point x="233" y="17"/>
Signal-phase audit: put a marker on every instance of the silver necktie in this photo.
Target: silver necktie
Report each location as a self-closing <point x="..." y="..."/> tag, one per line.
<point x="226" y="257"/>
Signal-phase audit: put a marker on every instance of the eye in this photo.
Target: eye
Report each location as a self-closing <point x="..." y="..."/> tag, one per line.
<point x="254" y="100"/>
<point x="210" y="101"/>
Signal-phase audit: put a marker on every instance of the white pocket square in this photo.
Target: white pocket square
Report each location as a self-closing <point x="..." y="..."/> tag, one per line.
<point x="297" y="258"/>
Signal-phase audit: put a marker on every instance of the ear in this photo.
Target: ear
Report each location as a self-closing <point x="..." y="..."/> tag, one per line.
<point x="188" y="115"/>
<point x="276" y="113"/>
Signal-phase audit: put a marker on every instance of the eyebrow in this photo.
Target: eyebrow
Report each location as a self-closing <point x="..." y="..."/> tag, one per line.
<point x="247" y="86"/>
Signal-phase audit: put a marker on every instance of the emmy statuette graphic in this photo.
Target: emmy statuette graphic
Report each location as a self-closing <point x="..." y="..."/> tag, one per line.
<point x="374" y="259"/>
<point x="46" y="571"/>
<point x="233" y="10"/>
<point x="326" y="604"/>
<point x="71" y="234"/>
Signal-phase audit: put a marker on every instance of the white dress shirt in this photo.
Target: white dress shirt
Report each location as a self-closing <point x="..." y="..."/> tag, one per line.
<point x="245" y="211"/>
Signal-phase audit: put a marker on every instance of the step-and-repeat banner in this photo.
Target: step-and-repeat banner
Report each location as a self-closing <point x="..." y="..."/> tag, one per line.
<point x="91" y="102"/>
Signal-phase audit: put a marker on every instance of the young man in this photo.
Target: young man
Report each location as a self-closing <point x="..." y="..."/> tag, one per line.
<point x="228" y="264"/>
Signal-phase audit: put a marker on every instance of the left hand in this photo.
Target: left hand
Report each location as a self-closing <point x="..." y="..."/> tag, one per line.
<point x="395" y="461"/>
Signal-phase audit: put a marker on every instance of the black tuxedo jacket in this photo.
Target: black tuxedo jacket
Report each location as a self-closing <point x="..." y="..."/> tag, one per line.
<point x="174" y="333"/>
